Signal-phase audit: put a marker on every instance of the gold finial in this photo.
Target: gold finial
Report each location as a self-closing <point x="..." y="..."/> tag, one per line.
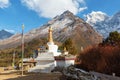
<point x="50" y="35"/>
<point x="50" y="28"/>
<point x="65" y="49"/>
<point x="22" y="26"/>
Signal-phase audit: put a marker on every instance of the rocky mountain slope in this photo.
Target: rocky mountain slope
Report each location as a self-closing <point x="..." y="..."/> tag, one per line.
<point x="64" y="26"/>
<point x="4" y="34"/>
<point x="107" y="24"/>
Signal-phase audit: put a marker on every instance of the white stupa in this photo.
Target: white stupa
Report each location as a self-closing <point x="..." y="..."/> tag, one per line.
<point x="52" y="48"/>
<point x="46" y="61"/>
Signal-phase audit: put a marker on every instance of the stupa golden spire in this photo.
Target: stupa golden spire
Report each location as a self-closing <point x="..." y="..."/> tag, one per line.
<point x="65" y="49"/>
<point x="50" y="39"/>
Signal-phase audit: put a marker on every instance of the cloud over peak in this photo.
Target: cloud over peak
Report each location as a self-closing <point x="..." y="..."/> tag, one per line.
<point x="4" y="3"/>
<point x="51" y="8"/>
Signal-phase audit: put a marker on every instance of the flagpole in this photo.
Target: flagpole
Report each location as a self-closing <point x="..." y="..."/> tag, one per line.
<point x="13" y="63"/>
<point x="22" y="48"/>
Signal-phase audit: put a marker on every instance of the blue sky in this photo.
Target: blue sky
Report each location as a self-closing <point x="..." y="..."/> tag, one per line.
<point x="34" y="13"/>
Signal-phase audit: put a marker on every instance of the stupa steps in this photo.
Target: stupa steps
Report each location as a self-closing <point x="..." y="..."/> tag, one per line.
<point x="42" y="68"/>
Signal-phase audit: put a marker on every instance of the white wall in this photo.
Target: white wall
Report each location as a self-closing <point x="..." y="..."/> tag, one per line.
<point x="64" y="63"/>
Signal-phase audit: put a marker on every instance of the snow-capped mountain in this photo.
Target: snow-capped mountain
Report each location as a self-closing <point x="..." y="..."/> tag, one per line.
<point x="103" y="23"/>
<point x="64" y="26"/>
<point x="96" y="17"/>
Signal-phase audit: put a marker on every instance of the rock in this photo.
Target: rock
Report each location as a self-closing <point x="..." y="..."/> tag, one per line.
<point x="72" y="73"/>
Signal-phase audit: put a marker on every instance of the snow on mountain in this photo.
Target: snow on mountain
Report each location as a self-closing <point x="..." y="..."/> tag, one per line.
<point x="103" y="23"/>
<point x="64" y="26"/>
<point x="95" y="17"/>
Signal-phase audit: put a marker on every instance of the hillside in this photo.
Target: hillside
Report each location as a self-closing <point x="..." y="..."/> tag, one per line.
<point x="64" y="26"/>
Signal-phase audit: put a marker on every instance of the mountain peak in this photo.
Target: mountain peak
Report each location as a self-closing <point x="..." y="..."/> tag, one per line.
<point x="3" y="30"/>
<point x="67" y="15"/>
<point x="64" y="14"/>
<point x="64" y="26"/>
<point x="4" y="34"/>
<point x="67" y="12"/>
<point x="105" y="25"/>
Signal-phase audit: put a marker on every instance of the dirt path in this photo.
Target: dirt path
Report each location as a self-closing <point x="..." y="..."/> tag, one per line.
<point x="16" y="75"/>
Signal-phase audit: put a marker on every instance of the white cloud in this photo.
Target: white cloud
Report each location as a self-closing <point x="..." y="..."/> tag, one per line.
<point x="11" y="31"/>
<point x="95" y="16"/>
<point x="82" y="9"/>
<point x="4" y="3"/>
<point x="51" y="8"/>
